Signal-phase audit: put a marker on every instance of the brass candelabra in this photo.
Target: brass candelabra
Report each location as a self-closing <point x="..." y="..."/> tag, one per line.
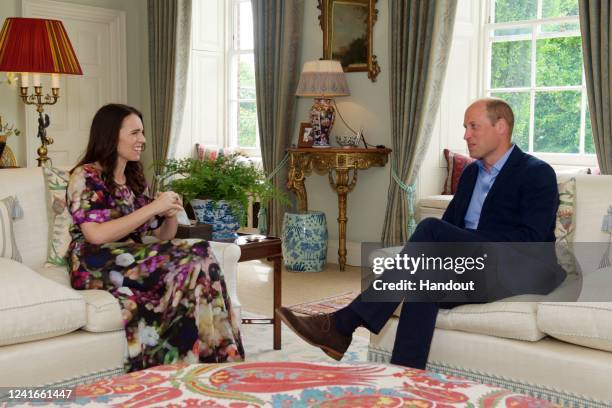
<point x="40" y="100"/>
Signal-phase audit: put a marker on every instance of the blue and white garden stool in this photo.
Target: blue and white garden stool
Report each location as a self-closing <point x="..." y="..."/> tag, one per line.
<point x="305" y="241"/>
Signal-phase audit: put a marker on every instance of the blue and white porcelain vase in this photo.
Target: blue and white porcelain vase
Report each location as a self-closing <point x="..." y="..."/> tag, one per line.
<point x="305" y="241"/>
<point x="217" y="213"/>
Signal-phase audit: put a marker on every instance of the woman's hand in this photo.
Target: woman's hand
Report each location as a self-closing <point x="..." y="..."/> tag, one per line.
<point x="167" y="203"/>
<point x="173" y="212"/>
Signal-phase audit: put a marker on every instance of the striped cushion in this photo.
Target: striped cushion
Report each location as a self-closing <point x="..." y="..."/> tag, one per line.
<point x="9" y="209"/>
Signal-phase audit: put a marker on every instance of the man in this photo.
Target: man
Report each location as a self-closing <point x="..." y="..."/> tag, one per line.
<point x="505" y="196"/>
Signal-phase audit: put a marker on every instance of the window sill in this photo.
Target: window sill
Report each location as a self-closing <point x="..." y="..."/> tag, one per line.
<point x="565" y="159"/>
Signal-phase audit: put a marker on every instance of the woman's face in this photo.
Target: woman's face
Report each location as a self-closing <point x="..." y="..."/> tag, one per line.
<point x="131" y="138"/>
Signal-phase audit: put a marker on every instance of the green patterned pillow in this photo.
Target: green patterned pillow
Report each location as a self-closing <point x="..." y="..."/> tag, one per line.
<point x="566" y="214"/>
<point x="59" y="217"/>
<point x="566" y="225"/>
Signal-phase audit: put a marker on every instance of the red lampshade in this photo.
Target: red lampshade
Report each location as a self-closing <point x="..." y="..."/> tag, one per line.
<point x="36" y="45"/>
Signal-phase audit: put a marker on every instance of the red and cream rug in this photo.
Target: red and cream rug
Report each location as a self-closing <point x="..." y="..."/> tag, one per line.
<point x="295" y="384"/>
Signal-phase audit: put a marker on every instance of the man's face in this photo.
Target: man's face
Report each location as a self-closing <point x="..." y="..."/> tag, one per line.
<point x="482" y="137"/>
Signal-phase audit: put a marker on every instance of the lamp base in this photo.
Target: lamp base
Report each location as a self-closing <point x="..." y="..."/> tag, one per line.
<point x="322" y="115"/>
<point x="43" y="124"/>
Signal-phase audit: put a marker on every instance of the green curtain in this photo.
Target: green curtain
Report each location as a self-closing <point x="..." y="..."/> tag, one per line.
<point x="169" y="47"/>
<point x="277" y="26"/>
<point x="420" y="36"/>
<point x="595" y="29"/>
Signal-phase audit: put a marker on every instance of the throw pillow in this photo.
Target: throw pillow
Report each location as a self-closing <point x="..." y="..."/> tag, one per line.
<point x="564" y="230"/>
<point x="59" y="217"/>
<point x="455" y="162"/>
<point x="9" y="210"/>
<point x="566" y="225"/>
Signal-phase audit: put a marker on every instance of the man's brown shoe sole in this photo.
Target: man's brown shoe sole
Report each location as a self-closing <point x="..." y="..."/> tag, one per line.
<point x="329" y="351"/>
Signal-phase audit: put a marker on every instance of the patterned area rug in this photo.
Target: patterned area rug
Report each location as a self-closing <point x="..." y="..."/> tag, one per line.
<point x="294" y="384"/>
<point x="326" y="305"/>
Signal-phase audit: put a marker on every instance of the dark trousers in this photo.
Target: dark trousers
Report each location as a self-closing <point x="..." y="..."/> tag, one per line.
<point x="417" y="320"/>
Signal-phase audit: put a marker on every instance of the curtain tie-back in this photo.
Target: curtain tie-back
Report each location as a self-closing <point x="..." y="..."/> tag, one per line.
<point x="410" y="193"/>
<point x="262" y="215"/>
<point x="279" y="166"/>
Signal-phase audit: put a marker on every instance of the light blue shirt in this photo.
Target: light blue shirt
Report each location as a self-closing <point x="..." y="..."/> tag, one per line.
<point x="484" y="182"/>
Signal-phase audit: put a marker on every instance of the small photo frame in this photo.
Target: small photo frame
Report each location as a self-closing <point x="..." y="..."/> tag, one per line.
<point x="305" y="137"/>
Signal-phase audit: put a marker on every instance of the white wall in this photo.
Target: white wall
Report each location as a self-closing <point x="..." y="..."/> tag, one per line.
<point x="368" y="106"/>
<point x="12" y="109"/>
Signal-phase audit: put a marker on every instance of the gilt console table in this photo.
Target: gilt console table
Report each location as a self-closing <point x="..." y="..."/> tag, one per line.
<point x="341" y="166"/>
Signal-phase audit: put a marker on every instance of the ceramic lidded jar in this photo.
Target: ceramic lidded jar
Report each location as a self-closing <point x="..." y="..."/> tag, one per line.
<point x="305" y="241"/>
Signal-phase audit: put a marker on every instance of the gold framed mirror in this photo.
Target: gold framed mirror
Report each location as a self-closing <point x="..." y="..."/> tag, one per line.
<point x="347" y="34"/>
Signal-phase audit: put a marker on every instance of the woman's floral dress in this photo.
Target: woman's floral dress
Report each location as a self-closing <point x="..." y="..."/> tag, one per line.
<point x="172" y="294"/>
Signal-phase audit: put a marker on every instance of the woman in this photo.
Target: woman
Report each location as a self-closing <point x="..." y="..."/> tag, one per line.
<point x="172" y="294"/>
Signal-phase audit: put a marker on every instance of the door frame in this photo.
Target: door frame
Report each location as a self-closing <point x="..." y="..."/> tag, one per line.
<point x="116" y="19"/>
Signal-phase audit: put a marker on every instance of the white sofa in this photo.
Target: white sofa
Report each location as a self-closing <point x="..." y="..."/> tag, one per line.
<point x="51" y="334"/>
<point x="555" y="350"/>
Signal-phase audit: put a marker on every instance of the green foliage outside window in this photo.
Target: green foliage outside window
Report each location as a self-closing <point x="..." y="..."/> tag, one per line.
<point x="510" y="64"/>
<point x="558" y="63"/>
<point x="247" y="111"/>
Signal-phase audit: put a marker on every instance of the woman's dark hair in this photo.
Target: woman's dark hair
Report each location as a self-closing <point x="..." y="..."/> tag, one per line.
<point x="102" y="147"/>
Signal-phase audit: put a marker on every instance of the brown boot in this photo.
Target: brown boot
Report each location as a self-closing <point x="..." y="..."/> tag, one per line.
<point x="319" y="331"/>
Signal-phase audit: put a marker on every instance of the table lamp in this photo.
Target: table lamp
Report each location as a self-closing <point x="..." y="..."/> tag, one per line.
<point x="34" y="46"/>
<point x="323" y="80"/>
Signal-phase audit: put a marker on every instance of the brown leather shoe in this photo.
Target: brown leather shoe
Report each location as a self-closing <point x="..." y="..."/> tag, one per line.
<point x="319" y="331"/>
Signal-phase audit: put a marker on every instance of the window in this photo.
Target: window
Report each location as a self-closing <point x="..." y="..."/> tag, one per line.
<point x="242" y="108"/>
<point x="534" y="61"/>
<point x="220" y="109"/>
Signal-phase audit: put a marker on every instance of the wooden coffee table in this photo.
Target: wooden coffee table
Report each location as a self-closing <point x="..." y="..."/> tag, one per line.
<point x="270" y="248"/>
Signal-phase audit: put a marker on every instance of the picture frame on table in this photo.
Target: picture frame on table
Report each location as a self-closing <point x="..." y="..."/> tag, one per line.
<point x="305" y="136"/>
<point x="347" y="34"/>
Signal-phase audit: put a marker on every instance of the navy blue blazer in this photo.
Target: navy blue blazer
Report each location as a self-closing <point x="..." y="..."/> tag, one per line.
<point x="521" y="205"/>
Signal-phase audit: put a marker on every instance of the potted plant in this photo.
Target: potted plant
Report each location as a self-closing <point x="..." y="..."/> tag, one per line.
<point x="218" y="189"/>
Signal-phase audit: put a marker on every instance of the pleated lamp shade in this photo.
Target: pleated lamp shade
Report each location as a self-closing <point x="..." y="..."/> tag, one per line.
<point x="323" y="78"/>
<point x="36" y="45"/>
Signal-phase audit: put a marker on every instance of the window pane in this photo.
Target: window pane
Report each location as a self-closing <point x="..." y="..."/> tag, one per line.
<point x="246" y="77"/>
<point x="557" y="122"/>
<point x="559" y="61"/>
<point x="519" y="102"/>
<point x="245" y="26"/>
<point x="559" y="8"/>
<point x="569" y="28"/>
<point x="589" y="145"/>
<point x="514" y="10"/>
<point x="510" y="64"/>
<point x="247" y="119"/>
<point x="504" y="32"/>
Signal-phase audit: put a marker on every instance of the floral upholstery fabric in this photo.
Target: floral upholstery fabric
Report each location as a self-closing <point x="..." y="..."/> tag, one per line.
<point x="295" y="384"/>
<point x="566" y="214"/>
<point x="59" y="217"/>
<point x="172" y="294"/>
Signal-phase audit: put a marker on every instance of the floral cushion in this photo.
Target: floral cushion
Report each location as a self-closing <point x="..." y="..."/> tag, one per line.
<point x="456" y="162"/>
<point x="59" y="217"/>
<point x="566" y="225"/>
<point x="566" y="214"/>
